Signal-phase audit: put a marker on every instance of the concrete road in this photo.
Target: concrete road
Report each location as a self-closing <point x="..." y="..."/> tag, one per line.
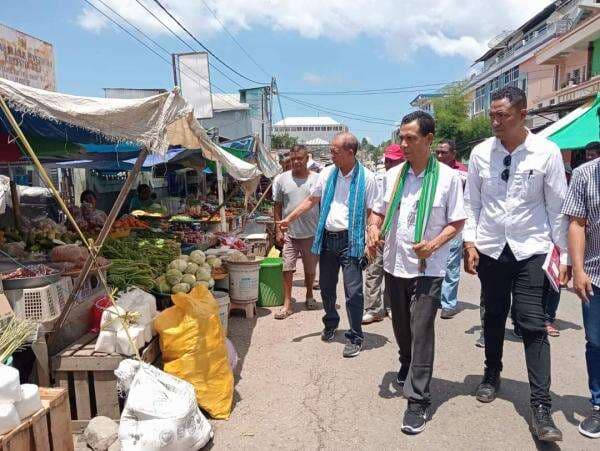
<point x="295" y="392"/>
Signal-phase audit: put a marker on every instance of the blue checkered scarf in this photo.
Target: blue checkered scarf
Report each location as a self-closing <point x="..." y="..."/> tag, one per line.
<point x="356" y="212"/>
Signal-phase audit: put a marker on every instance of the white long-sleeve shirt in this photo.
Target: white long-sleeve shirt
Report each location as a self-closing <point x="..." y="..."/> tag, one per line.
<point x="524" y="211"/>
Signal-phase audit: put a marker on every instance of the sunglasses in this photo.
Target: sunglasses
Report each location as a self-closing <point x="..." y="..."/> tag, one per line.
<point x="506" y="173"/>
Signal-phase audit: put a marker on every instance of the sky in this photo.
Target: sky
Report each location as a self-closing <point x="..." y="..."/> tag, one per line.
<point x="310" y="46"/>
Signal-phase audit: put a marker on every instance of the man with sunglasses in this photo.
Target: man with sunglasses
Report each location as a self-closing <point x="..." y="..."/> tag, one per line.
<point x="514" y="193"/>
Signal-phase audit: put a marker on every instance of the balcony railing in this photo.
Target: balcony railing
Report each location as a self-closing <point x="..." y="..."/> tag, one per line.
<point x="528" y="43"/>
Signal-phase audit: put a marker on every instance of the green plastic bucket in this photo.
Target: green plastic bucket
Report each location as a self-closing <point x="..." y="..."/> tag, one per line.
<point x="270" y="280"/>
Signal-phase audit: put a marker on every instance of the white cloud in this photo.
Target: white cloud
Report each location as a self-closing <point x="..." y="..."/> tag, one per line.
<point x="448" y="27"/>
<point x="313" y="78"/>
<point x="90" y="20"/>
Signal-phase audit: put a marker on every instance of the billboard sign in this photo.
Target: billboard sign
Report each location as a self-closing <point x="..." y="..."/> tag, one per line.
<point x="192" y="76"/>
<point x="26" y="60"/>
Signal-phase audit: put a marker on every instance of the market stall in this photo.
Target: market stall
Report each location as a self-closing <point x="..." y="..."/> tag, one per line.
<point x="94" y="291"/>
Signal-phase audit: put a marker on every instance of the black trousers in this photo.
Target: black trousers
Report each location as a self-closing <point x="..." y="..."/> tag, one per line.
<point x="414" y="304"/>
<point x="525" y="283"/>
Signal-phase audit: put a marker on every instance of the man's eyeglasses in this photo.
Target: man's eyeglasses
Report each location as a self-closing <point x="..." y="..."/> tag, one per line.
<point x="506" y="173"/>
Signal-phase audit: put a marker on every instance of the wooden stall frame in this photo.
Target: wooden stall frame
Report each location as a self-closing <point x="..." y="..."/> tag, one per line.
<point x="93" y="247"/>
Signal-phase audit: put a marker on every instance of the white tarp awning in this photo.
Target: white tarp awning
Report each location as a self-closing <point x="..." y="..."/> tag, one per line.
<point x="155" y="122"/>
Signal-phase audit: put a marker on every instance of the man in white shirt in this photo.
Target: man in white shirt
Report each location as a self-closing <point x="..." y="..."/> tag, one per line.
<point x="423" y="206"/>
<point x="347" y="192"/>
<point x="377" y="305"/>
<point x="515" y="190"/>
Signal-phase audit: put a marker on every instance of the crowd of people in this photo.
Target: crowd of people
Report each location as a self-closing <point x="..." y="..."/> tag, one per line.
<point x="411" y="226"/>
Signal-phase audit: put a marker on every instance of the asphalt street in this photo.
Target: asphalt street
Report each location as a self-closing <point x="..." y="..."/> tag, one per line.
<point x="295" y="392"/>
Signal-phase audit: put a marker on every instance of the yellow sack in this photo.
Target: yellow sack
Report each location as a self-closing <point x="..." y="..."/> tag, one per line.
<point x="193" y="348"/>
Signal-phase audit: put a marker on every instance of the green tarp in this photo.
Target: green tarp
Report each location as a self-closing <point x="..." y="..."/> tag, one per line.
<point x="581" y="131"/>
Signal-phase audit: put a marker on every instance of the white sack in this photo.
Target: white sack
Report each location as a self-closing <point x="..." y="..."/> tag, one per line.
<point x="9" y="418"/>
<point x="10" y="385"/>
<point x="160" y="413"/>
<point x="110" y="319"/>
<point x="106" y="342"/>
<point x="30" y="401"/>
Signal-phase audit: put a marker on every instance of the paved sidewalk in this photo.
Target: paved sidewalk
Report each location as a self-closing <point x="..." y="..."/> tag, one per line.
<point x="295" y="392"/>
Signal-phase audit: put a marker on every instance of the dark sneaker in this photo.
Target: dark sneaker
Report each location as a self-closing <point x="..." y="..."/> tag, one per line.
<point x="448" y="313"/>
<point x="352" y="349"/>
<point x="480" y="343"/>
<point x="415" y="418"/>
<point x="590" y="427"/>
<point x="543" y="426"/>
<point x="401" y="377"/>
<point x="490" y="384"/>
<point x="328" y="334"/>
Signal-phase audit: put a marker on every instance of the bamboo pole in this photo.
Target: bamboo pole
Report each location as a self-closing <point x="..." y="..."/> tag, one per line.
<point x="14" y="195"/>
<point x="112" y="216"/>
<point x="221" y="197"/>
<point x="93" y="251"/>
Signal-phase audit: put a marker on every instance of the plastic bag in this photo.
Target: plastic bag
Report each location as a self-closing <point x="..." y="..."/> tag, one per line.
<point x="160" y="412"/>
<point x="10" y="385"/>
<point x="193" y="348"/>
<point x="138" y="300"/>
<point x="232" y="354"/>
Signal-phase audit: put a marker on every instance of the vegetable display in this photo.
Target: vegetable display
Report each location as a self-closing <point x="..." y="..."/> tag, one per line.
<point x="124" y="273"/>
<point x="157" y="252"/>
<point x="188" y="271"/>
<point x="129" y="222"/>
<point x="138" y="261"/>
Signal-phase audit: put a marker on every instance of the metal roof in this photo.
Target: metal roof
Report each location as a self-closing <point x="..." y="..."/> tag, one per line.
<point x="527" y="26"/>
<point x="313" y="120"/>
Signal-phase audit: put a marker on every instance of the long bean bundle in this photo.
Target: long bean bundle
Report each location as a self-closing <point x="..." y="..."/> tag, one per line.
<point x="124" y="273"/>
<point x="158" y="253"/>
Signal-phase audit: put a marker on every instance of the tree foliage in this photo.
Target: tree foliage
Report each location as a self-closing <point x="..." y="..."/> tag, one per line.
<point x="452" y="119"/>
<point x="284" y="141"/>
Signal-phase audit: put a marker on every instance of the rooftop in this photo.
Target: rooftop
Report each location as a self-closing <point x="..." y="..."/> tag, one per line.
<point x="312" y="120"/>
<point x="427" y="96"/>
<point x="228" y="102"/>
<point x="316" y="142"/>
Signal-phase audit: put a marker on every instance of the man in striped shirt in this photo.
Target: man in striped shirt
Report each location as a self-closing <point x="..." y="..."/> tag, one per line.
<point x="582" y="205"/>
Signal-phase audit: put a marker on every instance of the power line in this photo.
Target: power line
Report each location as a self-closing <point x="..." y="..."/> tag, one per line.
<point x="235" y="40"/>
<point x="210" y="52"/>
<point x="151" y="40"/>
<point x="187" y="44"/>
<point x="368" y="91"/>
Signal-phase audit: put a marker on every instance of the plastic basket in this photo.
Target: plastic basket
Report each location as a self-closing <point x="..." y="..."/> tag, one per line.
<point x="40" y="304"/>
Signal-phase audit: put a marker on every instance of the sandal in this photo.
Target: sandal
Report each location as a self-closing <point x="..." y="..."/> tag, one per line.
<point x="311" y="304"/>
<point x="552" y="331"/>
<point x="283" y="314"/>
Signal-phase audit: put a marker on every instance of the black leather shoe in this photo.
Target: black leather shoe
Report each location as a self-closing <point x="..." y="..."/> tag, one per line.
<point x="490" y="384"/>
<point x="543" y="426"/>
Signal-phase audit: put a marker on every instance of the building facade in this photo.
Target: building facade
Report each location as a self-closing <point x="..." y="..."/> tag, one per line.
<point x="306" y="129"/>
<point x="552" y="57"/>
<point x="511" y="58"/>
